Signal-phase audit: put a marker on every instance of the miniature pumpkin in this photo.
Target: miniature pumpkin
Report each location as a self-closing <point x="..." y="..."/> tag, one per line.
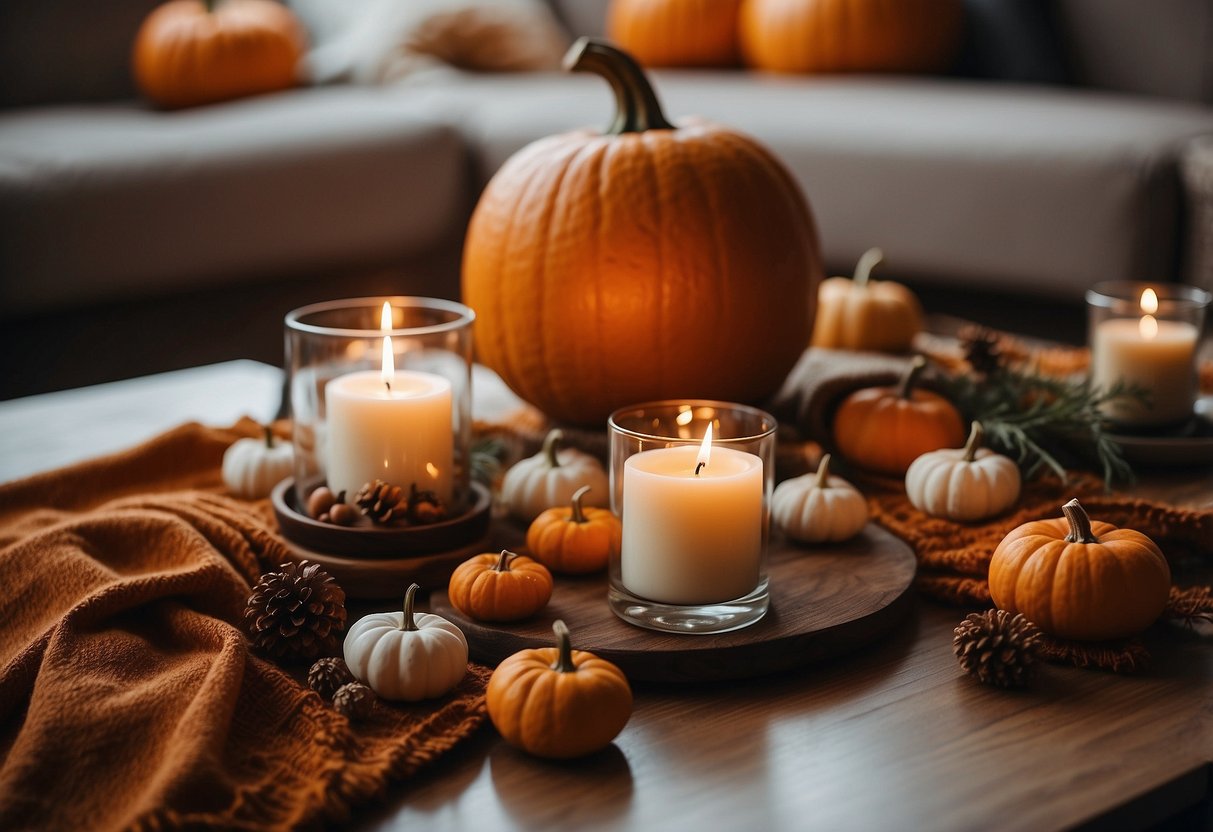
<point x="818" y="508"/>
<point x="252" y="467"/>
<point x="864" y="314"/>
<point x="190" y="52"/>
<point x="884" y="429"/>
<point x="1079" y="579"/>
<point x="676" y="32"/>
<point x="851" y="35"/>
<point x="406" y="656"/>
<point x="639" y="264"/>
<point x="574" y="540"/>
<point x="558" y="702"/>
<point x="549" y="478"/>
<point x="505" y="587"/>
<point x="966" y="484"/>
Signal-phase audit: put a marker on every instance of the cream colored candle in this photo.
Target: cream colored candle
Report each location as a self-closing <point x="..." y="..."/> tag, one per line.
<point x="1155" y="355"/>
<point x="691" y="538"/>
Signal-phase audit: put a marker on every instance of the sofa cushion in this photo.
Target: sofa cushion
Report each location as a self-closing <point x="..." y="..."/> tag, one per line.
<point x="1020" y="188"/>
<point x="111" y="201"/>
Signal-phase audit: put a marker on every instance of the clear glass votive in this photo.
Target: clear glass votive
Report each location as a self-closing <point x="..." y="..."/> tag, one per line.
<point x="382" y="395"/>
<point x="694" y="552"/>
<point x="1145" y="335"/>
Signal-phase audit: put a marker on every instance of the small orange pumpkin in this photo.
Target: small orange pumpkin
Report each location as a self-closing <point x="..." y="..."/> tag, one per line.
<point x="190" y="52"/>
<point x="885" y="429"/>
<point x="653" y="246"/>
<point x="505" y="587"/>
<point x="573" y="540"/>
<point x="676" y="32"/>
<point x="558" y="702"/>
<point x="851" y="35"/>
<point x="1079" y="579"/>
<point x="861" y="314"/>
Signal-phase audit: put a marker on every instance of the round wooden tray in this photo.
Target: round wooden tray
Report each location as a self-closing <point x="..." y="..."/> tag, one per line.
<point x="825" y="601"/>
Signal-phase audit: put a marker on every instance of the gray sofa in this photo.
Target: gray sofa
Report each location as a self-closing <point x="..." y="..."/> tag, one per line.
<point x="134" y="240"/>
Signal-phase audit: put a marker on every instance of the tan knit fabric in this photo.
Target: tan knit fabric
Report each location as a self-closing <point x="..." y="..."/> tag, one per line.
<point x="128" y="695"/>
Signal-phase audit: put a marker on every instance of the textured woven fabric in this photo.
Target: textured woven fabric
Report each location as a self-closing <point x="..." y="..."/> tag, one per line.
<point x="128" y="695"/>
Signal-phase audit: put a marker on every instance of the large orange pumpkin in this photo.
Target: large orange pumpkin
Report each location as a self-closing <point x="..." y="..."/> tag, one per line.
<point x="188" y="52"/>
<point x="676" y="32"/>
<point x="851" y="35"/>
<point x="1079" y="579"/>
<point x="647" y="262"/>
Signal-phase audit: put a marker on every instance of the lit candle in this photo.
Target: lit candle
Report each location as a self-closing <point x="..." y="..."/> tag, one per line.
<point x="692" y="524"/>
<point x="392" y="425"/>
<point x="1146" y="352"/>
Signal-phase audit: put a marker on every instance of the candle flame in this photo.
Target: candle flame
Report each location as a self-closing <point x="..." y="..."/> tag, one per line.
<point x="387" y="369"/>
<point x="705" y="450"/>
<point x="1149" y="302"/>
<point x="1148" y="327"/>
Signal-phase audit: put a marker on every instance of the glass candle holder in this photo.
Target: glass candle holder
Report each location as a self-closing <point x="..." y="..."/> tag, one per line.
<point x="1145" y="336"/>
<point x="695" y="514"/>
<point x="381" y="388"/>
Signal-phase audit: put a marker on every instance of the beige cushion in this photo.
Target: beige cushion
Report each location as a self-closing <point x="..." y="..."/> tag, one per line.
<point x="110" y="202"/>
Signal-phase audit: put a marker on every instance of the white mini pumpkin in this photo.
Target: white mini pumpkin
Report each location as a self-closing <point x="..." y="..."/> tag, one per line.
<point x="252" y="467"/>
<point x="966" y="484"/>
<point x="406" y="656"/>
<point x="818" y="508"/>
<point x="537" y="483"/>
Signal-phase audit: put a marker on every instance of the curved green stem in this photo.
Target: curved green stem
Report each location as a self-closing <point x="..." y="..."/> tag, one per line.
<point x="905" y="388"/>
<point x="977" y="435"/>
<point x="268" y="432"/>
<point x="408" y="624"/>
<point x="823" y="473"/>
<point x="869" y="260"/>
<point x="578" y="511"/>
<point x="637" y="108"/>
<point x="1080" y="523"/>
<point x="551" y="447"/>
<point x="564" y="654"/>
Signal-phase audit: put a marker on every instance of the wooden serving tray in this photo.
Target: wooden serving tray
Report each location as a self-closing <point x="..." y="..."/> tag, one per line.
<point x="825" y="600"/>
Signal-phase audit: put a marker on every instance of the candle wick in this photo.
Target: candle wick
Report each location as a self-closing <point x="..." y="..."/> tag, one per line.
<point x="698" y="467"/>
<point x="388" y="385"/>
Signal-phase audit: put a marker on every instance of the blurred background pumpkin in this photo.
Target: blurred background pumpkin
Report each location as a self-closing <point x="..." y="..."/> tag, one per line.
<point x="676" y="32"/>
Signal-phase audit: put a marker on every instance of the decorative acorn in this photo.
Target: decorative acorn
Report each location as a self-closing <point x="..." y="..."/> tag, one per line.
<point x="329" y="674"/>
<point x="998" y="648"/>
<point x="355" y="701"/>
<point x="383" y="502"/>
<point x="296" y="613"/>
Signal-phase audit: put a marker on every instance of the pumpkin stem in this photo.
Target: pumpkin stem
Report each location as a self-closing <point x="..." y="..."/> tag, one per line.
<point x="578" y="512"/>
<point x="408" y="624"/>
<point x="823" y="473"/>
<point x="268" y="432"/>
<point x="1080" y="523"/>
<point x="637" y="108"/>
<point x="551" y="445"/>
<point x="905" y="388"/>
<point x="564" y="654"/>
<point x="977" y="435"/>
<point x="869" y="260"/>
<point x="503" y="562"/>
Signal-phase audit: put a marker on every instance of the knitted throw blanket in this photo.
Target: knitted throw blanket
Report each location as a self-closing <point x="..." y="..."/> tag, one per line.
<point x="128" y="695"/>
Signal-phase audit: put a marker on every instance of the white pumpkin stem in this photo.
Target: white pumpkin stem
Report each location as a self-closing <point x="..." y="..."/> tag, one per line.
<point x="551" y="447"/>
<point x="407" y="623"/>
<point x="1080" y="523"/>
<point x="869" y="260"/>
<point x="823" y="473"/>
<point x="564" y="649"/>
<point x="977" y="435"/>
<point x="503" y="562"/>
<point x="578" y="511"/>
<point x="910" y="377"/>
<point x="268" y="432"/>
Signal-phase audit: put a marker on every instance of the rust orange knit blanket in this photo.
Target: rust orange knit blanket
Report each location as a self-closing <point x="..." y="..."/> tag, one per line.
<point x="128" y="695"/>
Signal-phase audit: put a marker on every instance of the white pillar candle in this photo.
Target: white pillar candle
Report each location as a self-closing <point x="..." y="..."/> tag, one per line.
<point x="1155" y="355"/>
<point x="691" y="538"/>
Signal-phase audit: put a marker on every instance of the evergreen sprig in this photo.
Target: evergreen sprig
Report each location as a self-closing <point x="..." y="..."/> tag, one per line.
<point x="1042" y="421"/>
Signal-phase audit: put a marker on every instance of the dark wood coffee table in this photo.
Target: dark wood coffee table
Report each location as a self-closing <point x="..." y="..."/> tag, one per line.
<point x="893" y="736"/>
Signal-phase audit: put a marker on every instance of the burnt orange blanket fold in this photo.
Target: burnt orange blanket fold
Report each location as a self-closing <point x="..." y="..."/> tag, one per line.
<point x="128" y="696"/>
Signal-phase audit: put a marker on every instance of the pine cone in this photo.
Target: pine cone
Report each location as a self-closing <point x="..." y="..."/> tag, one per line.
<point x="296" y="613"/>
<point x="354" y="700"/>
<point x="425" y="507"/>
<point x="382" y="502"/>
<point x="998" y="648"/>
<point x="982" y="348"/>
<point x="328" y="674"/>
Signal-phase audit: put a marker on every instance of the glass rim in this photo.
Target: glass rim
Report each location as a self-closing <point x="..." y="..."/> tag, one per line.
<point x="464" y="316"/>
<point x="671" y="405"/>
<point x="1113" y="293"/>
